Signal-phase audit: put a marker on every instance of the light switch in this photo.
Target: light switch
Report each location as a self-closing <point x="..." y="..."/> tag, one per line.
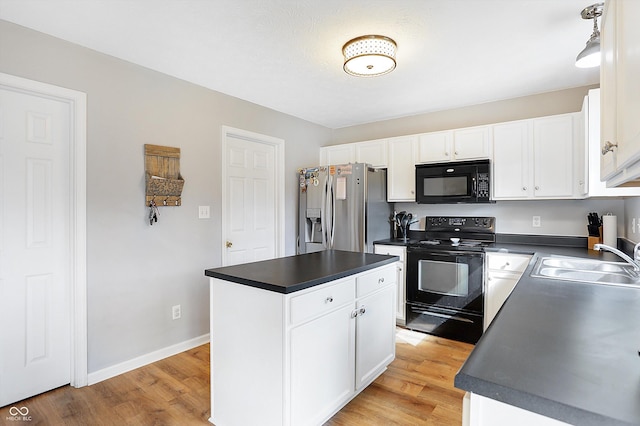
<point x="203" y="212"/>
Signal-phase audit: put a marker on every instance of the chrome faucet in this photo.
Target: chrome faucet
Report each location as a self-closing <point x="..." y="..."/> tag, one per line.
<point x="627" y="259"/>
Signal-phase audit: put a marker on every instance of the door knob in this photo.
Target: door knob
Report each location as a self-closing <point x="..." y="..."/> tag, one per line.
<point x="229" y="244"/>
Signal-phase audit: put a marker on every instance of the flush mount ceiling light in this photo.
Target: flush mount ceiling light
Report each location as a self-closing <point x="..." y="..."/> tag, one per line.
<point x="369" y="56"/>
<point x="590" y="55"/>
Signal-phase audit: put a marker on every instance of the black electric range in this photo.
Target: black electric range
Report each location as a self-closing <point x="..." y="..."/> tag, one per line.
<point x="445" y="277"/>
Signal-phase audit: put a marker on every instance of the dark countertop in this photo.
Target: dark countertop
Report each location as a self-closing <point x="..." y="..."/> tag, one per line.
<point x="294" y="273"/>
<point x="566" y="350"/>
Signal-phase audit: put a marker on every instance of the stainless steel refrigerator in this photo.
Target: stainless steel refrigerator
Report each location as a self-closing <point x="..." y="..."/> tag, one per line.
<point x="342" y="207"/>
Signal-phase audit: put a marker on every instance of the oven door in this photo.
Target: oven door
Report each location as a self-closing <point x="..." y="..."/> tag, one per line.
<point x="449" y="279"/>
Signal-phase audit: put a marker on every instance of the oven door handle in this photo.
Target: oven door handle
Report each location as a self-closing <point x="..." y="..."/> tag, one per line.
<point x="452" y="317"/>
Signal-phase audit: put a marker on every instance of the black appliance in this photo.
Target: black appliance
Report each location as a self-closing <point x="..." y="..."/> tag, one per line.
<point x="445" y="279"/>
<point x="456" y="182"/>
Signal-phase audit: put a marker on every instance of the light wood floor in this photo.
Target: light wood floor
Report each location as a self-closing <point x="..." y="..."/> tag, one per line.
<point x="416" y="389"/>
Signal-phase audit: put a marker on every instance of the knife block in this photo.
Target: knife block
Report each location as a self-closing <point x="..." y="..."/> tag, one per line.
<point x="591" y="241"/>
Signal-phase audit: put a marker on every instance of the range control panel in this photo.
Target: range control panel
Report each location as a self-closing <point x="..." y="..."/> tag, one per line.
<point x="458" y="223"/>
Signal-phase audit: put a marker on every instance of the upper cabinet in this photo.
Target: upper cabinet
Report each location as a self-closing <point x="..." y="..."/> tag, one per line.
<point x="620" y="93"/>
<point x="454" y="145"/>
<point x="538" y="158"/>
<point x="370" y="152"/>
<point x="596" y="187"/>
<point x="337" y="154"/>
<point x="401" y="172"/>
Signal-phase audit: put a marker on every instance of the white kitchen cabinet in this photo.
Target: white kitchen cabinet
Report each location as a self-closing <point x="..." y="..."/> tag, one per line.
<point x="401" y="171"/>
<point x="620" y="87"/>
<point x="401" y="267"/>
<point x="511" y="161"/>
<point x="375" y="330"/>
<point x="372" y="152"/>
<point x="298" y="357"/>
<point x="485" y="411"/>
<point x="454" y="145"/>
<point x="537" y="158"/>
<point x="337" y="154"/>
<point x="322" y="363"/>
<point x="597" y="187"/>
<point x="502" y="273"/>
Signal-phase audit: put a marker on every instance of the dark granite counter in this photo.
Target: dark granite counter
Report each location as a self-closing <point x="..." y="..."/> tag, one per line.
<point x="294" y="273"/>
<point x="566" y="350"/>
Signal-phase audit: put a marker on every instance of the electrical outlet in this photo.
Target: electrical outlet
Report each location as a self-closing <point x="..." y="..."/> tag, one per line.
<point x="204" y="212"/>
<point x="176" y="312"/>
<point x="536" y="222"/>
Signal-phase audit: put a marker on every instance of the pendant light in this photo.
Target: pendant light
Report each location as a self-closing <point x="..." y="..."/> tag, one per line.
<point x="590" y="55"/>
<point x="369" y="56"/>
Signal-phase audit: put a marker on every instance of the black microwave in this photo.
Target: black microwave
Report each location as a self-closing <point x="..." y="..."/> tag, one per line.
<point x="454" y="182"/>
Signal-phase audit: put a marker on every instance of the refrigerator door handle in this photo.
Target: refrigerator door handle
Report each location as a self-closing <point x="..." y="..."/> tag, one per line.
<point x="327" y="213"/>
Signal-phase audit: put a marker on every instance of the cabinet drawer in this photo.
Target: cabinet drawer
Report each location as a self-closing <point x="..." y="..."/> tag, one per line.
<point x="325" y="299"/>
<point x="508" y="262"/>
<point x="372" y="281"/>
<point x="390" y="250"/>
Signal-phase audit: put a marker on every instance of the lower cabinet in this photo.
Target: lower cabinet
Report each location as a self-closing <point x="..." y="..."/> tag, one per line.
<point x="482" y="411"/>
<point x="502" y="274"/>
<point x="401" y="266"/>
<point x="296" y="359"/>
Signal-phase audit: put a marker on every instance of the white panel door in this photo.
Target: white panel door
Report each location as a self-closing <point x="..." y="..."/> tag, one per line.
<point x="250" y="201"/>
<point x="35" y="351"/>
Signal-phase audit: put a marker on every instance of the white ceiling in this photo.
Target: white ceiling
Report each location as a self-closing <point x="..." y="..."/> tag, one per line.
<point x="286" y="54"/>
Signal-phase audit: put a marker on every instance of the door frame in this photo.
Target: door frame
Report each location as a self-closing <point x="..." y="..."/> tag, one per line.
<point x="77" y="102"/>
<point x="278" y="145"/>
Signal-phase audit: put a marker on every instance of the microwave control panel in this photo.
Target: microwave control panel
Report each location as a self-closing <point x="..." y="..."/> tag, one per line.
<point x="483" y="185"/>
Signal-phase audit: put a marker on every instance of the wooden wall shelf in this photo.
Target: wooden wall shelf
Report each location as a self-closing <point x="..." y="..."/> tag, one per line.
<point x="163" y="182"/>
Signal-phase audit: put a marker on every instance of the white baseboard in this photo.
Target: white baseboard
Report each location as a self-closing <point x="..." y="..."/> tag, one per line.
<point x="132" y="364"/>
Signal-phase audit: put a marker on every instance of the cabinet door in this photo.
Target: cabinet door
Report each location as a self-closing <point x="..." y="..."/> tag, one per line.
<point x="608" y="90"/>
<point x="375" y="337"/>
<point x="401" y="173"/>
<point x="322" y="366"/>
<point x="511" y="154"/>
<point x="499" y="287"/>
<point x="553" y="156"/>
<point x="434" y="147"/>
<point x="471" y="143"/>
<point x="400" y="279"/>
<point x="628" y="82"/>
<point x="337" y="154"/>
<point x="372" y="152"/>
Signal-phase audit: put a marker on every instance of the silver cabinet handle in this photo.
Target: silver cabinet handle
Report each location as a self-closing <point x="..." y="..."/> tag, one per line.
<point x="354" y="313"/>
<point x="608" y="147"/>
<point x="381" y="280"/>
<point x="328" y="299"/>
<point x="537" y="188"/>
<point x="362" y="310"/>
<point x="524" y="188"/>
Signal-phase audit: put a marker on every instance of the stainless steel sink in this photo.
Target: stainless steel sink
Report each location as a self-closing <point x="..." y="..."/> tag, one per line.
<point x="586" y="270"/>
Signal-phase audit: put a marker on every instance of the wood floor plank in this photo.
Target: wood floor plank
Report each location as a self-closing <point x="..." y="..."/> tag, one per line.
<point x="416" y="389"/>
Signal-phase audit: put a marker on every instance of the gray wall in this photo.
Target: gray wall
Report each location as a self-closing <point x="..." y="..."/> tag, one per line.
<point x="136" y="272"/>
<point x="550" y="103"/>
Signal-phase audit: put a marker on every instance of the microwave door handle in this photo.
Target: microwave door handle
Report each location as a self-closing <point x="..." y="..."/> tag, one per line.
<point x="474" y="189"/>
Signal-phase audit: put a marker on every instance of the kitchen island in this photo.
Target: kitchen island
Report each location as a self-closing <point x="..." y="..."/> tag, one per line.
<point x="558" y="352"/>
<point x="296" y="338"/>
